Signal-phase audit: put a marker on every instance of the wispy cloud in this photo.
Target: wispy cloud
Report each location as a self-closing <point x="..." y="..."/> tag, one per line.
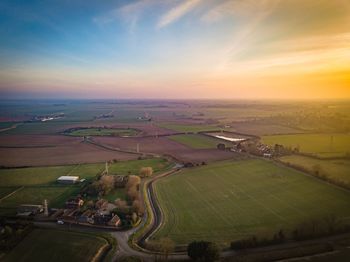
<point x="177" y="12"/>
<point x="238" y="9"/>
<point x="311" y="54"/>
<point x="129" y="13"/>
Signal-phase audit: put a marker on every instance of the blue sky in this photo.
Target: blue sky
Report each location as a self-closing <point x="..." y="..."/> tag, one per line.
<point x="174" y="48"/>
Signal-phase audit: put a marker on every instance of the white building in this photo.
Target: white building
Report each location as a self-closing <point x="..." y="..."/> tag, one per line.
<point x="68" y="179"/>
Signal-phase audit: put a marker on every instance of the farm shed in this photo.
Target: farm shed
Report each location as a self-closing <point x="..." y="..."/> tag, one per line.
<point x="68" y="179"/>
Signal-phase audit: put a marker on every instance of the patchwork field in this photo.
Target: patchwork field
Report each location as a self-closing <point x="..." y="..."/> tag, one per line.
<point x="197" y="141"/>
<point x="322" y="145"/>
<point x="335" y="169"/>
<point x="55" y="245"/>
<point x="230" y="200"/>
<point x="164" y="145"/>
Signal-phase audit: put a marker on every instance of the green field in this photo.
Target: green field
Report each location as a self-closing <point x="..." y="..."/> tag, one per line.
<point x="122" y="132"/>
<point x="234" y="199"/>
<point x="188" y="128"/>
<point x="115" y="194"/>
<point x="46" y="175"/>
<point x="197" y="141"/>
<point x="133" y="166"/>
<point x="55" y="195"/>
<point x="38" y="183"/>
<point x="56" y="245"/>
<point x="335" y="169"/>
<point x="322" y="145"/>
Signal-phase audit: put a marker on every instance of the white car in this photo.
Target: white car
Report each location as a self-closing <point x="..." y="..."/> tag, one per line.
<point x="60" y="222"/>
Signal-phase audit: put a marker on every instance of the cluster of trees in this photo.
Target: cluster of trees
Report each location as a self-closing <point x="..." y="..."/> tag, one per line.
<point x="203" y="251"/>
<point x="11" y="235"/>
<point x="253" y="241"/>
<point x="146" y="171"/>
<point x="280" y="150"/>
<point x="133" y="192"/>
<point x="164" y="247"/>
<point x="190" y="164"/>
<point x="308" y="230"/>
<point x="318" y="172"/>
<point x="100" y="187"/>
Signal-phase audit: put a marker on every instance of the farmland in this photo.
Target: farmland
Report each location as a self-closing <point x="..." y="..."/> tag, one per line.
<point x="197" y="141"/>
<point x="36" y="176"/>
<point x="75" y="153"/>
<point x="234" y="199"/>
<point x="55" y="245"/>
<point x="123" y="132"/>
<point x="33" y="185"/>
<point x="188" y="128"/>
<point x="322" y="145"/>
<point x="165" y="145"/>
<point x="338" y="169"/>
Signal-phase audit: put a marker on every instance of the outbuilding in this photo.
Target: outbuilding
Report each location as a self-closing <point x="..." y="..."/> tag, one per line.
<point x="68" y="179"/>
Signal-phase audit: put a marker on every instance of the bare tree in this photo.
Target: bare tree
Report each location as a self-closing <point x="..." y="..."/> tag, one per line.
<point x="146" y="171"/>
<point x="107" y="183"/>
<point x="133" y="181"/>
<point x="137" y="206"/>
<point x="167" y="246"/>
<point x="332" y="223"/>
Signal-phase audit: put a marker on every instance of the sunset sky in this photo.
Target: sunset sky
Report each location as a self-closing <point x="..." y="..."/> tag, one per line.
<point x="251" y="49"/>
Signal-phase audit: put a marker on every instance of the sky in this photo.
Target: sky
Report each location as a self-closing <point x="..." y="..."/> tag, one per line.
<point x="175" y="49"/>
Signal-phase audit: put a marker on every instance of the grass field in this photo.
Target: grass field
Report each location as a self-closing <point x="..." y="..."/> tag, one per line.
<point x="188" y="128"/>
<point x="55" y="195"/>
<point x="233" y="199"/>
<point x="104" y="132"/>
<point x="55" y="245"/>
<point x="115" y="194"/>
<point x="197" y="141"/>
<point x="33" y="185"/>
<point x="46" y="175"/>
<point x="335" y="169"/>
<point x="133" y="166"/>
<point x="322" y="145"/>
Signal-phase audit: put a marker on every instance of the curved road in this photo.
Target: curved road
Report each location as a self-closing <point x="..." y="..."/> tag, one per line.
<point x="123" y="236"/>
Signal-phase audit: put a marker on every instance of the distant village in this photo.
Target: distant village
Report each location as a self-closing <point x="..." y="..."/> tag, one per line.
<point x="45" y="118"/>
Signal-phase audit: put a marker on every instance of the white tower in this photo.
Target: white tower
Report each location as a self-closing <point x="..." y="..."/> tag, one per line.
<point x="106" y="168"/>
<point x="46" y="209"/>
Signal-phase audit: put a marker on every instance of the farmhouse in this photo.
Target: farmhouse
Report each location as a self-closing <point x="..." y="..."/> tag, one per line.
<point x="28" y="210"/>
<point x="68" y="179"/>
<point x="115" y="221"/>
